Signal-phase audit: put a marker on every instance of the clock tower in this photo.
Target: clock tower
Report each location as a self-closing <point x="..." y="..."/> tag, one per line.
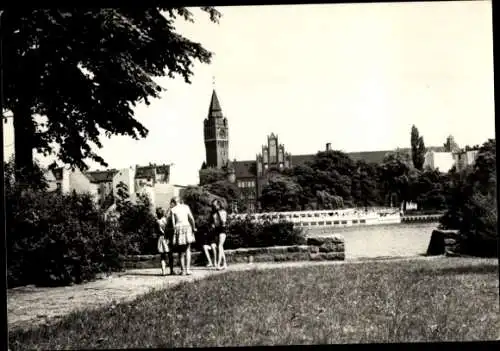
<point x="216" y="135"/>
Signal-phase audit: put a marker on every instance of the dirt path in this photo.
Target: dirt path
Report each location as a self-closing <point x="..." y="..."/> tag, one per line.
<point x="29" y="306"/>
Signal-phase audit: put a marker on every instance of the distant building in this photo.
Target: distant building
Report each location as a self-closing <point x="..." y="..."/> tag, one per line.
<point x="252" y="175"/>
<point x="443" y="161"/>
<point x="451" y="156"/>
<point x="152" y="180"/>
<point x="465" y="158"/>
<point x="66" y="180"/>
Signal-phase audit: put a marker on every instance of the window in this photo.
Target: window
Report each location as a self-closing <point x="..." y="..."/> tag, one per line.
<point x="272" y="151"/>
<point x="354" y="221"/>
<point x="335" y="222"/>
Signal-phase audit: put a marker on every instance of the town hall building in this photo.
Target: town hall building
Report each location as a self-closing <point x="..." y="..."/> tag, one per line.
<point x="251" y="176"/>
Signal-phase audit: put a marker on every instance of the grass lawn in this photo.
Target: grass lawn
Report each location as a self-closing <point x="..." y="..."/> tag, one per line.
<point x="448" y="299"/>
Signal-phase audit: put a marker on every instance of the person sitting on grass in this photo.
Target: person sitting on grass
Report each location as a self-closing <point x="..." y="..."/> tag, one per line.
<point x="163" y="244"/>
<point x="184" y="229"/>
<point x="219" y="219"/>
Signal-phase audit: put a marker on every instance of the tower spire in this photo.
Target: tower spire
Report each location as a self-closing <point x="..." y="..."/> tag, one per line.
<point x="214" y="110"/>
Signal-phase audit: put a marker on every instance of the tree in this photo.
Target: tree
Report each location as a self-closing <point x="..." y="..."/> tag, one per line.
<point x="429" y="190"/>
<point x="396" y="176"/>
<point x="417" y="148"/>
<point x="122" y="197"/>
<point x="328" y="175"/>
<point x="365" y="188"/>
<point x="334" y="172"/>
<point x="472" y="206"/>
<point x="211" y="175"/>
<point x="226" y="190"/>
<point x="281" y="194"/>
<point x="450" y="145"/>
<point x="85" y="70"/>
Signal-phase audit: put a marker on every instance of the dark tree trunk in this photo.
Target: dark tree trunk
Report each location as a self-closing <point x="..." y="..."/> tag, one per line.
<point x="24" y="132"/>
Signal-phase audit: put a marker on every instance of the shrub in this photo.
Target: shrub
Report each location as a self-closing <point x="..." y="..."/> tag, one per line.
<point x="55" y="239"/>
<point x="473" y="207"/>
<point x="138" y="225"/>
<point x="247" y="233"/>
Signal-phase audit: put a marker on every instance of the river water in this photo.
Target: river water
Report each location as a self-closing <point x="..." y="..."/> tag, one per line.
<point x="395" y="240"/>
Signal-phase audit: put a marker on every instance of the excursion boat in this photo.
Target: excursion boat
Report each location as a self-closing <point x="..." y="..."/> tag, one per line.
<point x="329" y="218"/>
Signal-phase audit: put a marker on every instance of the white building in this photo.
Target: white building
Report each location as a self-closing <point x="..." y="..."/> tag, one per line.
<point x="152" y="180"/>
<point x="67" y="180"/>
<point x="445" y="161"/>
<point x="465" y="158"/>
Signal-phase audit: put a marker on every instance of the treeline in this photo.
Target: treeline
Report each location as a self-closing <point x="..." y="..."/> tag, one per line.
<point x="333" y="180"/>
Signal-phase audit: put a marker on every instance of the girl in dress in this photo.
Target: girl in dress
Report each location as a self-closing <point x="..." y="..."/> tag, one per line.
<point x="219" y="219"/>
<point x="184" y="228"/>
<point x="163" y="247"/>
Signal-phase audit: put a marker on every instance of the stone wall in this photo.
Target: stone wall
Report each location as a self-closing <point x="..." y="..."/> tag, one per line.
<point x="442" y="242"/>
<point x="317" y="249"/>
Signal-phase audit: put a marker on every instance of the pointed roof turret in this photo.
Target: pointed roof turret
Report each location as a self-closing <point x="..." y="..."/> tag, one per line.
<point x="214" y="110"/>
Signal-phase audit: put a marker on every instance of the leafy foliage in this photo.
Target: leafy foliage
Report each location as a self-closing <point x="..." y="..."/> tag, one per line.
<point x="211" y="175"/>
<point x="417" y="149"/>
<point x="56" y="239"/>
<point x="281" y="194"/>
<point x="472" y="206"/>
<point x="397" y="175"/>
<point x="85" y="70"/>
<point x="365" y="185"/>
<point x="247" y="233"/>
<point x="138" y="225"/>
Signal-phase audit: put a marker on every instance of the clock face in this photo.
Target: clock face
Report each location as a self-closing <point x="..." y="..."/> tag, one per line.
<point x="222" y="133"/>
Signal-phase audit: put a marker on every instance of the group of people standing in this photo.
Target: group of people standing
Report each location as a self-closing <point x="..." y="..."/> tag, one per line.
<point x="176" y="233"/>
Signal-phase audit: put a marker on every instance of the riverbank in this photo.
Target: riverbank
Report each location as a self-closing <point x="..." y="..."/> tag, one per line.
<point x="445" y="299"/>
<point x="31" y="306"/>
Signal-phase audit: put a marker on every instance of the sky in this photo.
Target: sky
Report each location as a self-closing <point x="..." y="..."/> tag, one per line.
<point x="355" y="75"/>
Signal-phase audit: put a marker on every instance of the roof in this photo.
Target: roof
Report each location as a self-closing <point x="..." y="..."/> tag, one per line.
<point x="369" y="156"/>
<point x="163" y="171"/>
<point x="244" y="169"/>
<point x="101" y="176"/>
<point x="214" y="110"/>
<point x="145" y="172"/>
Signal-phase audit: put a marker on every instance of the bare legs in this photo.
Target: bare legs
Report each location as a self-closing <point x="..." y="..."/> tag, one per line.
<point x="163" y="267"/>
<point x="206" y="249"/>
<point x="171" y="261"/>
<point x="222" y="255"/>
<point x="186" y="260"/>
<point x="214" y="250"/>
